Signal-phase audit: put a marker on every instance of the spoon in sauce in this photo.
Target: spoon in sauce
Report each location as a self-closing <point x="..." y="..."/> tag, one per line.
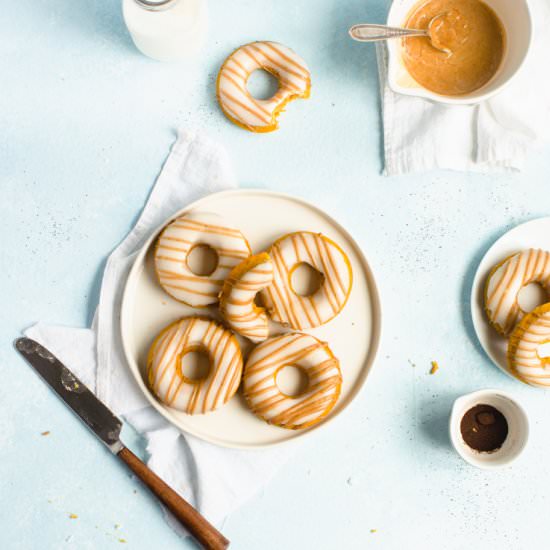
<point x="365" y="32"/>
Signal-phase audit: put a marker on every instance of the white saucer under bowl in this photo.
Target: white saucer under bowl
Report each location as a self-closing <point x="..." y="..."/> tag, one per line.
<point x="262" y="216"/>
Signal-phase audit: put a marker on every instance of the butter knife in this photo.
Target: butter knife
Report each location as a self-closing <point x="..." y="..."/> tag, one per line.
<point x="106" y="426"/>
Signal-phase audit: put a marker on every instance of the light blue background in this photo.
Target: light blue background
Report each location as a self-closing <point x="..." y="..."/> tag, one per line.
<point x="86" y="122"/>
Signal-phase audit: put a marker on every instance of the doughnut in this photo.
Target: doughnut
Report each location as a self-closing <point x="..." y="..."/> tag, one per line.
<point x="505" y="282"/>
<point x="304" y="351"/>
<point x="524" y="361"/>
<point x="164" y="365"/>
<point x="179" y="238"/>
<point x="260" y="115"/>
<point x="301" y="312"/>
<point x="238" y="293"/>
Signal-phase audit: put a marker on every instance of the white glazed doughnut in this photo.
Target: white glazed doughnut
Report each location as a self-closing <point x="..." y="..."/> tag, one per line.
<point x="524" y="361"/>
<point x="301" y="312"/>
<point x="505" y="282"/>
<point x="239" y="291"/>
<point x="179" y="238"/>
<point x="303" y="351"/>
<point x="164" y="365"/>
<point x="260" y="115"/>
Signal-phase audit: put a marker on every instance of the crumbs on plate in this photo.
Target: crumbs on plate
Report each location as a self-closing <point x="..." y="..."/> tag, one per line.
<point x="435" y="367"/>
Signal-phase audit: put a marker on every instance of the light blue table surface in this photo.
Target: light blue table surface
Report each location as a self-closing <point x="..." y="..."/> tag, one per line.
<point x="86" y="122"/>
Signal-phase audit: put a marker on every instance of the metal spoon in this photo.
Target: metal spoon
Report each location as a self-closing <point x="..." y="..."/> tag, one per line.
<point x="365" y="32"/>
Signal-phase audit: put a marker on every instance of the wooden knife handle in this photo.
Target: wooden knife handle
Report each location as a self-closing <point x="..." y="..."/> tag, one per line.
<point x="205" y="533"/>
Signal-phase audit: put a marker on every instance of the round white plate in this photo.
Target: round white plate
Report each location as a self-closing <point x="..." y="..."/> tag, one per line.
<point x="262" y="216"/>
<point x="532" y="234"/>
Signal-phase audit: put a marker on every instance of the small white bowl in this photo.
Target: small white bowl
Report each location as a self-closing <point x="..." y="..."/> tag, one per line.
<point x="516" y="19"/>
<point x="518" y="428"/>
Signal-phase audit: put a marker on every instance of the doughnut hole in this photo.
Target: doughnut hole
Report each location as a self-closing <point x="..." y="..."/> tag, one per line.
<point x="194" y="364"/>
<point x="261" y="84"/>
<point x="202" y="260"/>
<point x="543" y="353"/>
<point x="531" y="296"/>
<point x="305" y="280"/>
<point x="292" y="381"/>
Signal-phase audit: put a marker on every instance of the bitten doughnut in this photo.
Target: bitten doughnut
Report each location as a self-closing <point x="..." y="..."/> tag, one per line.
<point x="176" y="242"/>
<point x="315" y="358"/>
<point x="167" y="355"/>
<point x="301" y="312"/>
<point x="260" y="115"/>
<point x="505" y="282"/>
<point x="239" y="291"/>
<point x="524" y="361"/>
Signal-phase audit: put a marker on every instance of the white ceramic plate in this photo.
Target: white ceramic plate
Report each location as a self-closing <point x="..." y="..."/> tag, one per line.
<point x="532" y="234"/>
<point x="262" y="216"/>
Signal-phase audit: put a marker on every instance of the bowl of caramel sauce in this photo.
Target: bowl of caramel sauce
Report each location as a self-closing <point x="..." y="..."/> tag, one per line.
<point x="474" y="48"/>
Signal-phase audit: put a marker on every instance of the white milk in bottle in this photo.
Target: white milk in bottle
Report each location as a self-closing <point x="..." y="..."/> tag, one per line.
<point x="166" y="30"/>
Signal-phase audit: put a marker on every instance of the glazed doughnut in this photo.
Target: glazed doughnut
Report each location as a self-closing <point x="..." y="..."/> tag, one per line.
<point x="179" y="238"/>
<point x="164" y="365"/>
<point x="505" y="282"/>
<point x="315" y="358"/>
<point x="239" y="291"/>
<point x="301" y="312"/>
<point x="524" y="361"/>
<point x="260" y="115"/>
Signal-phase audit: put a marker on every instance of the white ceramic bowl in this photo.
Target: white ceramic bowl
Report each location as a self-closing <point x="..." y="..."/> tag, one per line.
<point x="518" y="428"/>
<point x="516" y="19"/>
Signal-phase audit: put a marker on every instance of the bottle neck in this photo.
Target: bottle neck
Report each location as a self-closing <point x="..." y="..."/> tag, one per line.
<point x="156" y="5"/>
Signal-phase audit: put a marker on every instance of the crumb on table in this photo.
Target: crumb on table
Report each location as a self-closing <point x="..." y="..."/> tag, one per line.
<point x="47" y="432"/>
<point x="73" y="516"/>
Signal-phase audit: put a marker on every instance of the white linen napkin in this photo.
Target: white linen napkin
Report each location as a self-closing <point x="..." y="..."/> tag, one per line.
<point x="214" y="479"/>
<point x="496" y="135"/>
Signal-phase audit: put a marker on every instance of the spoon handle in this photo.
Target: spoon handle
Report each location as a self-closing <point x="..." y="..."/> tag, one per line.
<point x="374" y="33"/>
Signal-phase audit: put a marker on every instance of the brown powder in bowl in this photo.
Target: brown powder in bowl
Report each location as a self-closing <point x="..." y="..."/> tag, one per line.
<point x="484" y="428"/>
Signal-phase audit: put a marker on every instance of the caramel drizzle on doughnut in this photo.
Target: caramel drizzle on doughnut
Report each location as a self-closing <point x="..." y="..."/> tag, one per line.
<point x="238" y="294"/>
<point x="508" y="278"/>
<point x="293" y="76"/>
<point x="175" y="243"/>
<point x="523" y="357"/>
<point x="303" y="311"/>
<point x="181" y="338"/>
<point x="323" y="388"/>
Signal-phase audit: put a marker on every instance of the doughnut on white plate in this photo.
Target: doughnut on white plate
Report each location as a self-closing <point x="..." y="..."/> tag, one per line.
<point x="262" y="216"/>
<point x="532" y="234"/>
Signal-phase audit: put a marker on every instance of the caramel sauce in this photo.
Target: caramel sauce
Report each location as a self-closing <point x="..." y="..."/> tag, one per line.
<point x="465" y="47"/>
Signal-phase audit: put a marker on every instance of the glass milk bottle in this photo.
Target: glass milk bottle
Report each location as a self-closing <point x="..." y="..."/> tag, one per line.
<point x="166" y="30"/>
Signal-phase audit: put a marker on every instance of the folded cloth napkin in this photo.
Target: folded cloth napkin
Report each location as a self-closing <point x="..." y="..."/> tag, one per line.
<point x="496" y="135"/>
<point x="215" y="480"/>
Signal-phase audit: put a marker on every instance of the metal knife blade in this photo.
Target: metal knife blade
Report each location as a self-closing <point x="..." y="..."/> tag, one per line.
<point x="76" y="395"/>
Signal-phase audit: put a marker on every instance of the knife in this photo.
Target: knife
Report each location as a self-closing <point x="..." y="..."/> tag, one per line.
<point x="106" y="426"/>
